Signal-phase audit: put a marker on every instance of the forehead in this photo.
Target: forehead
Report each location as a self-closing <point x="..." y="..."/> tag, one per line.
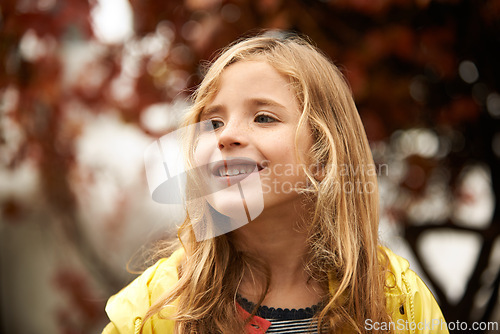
<point x="251" y="79"/>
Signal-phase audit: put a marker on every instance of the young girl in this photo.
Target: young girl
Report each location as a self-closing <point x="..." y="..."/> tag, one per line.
<point x="307" y="262"/>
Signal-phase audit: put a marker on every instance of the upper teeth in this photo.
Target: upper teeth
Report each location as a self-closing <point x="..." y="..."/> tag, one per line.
<point x="235" y="170"/>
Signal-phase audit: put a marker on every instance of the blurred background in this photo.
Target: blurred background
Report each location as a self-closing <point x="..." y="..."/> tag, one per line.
<point x="86" y="85"/>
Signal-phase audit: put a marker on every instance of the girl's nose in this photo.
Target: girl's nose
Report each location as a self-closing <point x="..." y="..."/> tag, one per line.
<point x="232" y="135"/>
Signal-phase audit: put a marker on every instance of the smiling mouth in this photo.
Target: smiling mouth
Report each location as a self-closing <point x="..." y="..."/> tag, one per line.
<point x="235" y="170"/>
<point x="235" y="167"/>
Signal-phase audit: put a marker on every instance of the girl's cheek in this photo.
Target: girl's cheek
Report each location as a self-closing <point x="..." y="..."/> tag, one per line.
<point x="200" y="156"/>
<point x="206" y="150"/>
<point x="266" y="171"/>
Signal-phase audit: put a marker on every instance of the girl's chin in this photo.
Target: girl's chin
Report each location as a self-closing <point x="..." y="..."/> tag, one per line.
<point x="243" y="201"/>
<point x="235" y="206"/>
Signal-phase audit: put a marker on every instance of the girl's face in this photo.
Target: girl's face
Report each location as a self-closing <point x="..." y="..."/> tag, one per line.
<point x="255" y="117"/>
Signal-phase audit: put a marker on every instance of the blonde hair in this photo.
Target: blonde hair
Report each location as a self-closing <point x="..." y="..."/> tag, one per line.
<point x="343" y="227"/>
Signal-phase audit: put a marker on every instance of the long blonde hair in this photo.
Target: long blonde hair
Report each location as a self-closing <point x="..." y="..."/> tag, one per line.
<point x="343" y="227"/>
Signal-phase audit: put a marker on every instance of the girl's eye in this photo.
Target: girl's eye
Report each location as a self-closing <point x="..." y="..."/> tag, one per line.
<point x="264" y="119"/>
<point x="210" y="125"/>
<point x="216" y="124"/>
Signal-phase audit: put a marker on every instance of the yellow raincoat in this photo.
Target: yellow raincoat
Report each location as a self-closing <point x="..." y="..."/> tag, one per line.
<point x="408" y="300"/>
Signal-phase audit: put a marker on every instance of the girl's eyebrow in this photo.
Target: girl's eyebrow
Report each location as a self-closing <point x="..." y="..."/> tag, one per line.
<point x="254" y="102"/>
<point x="211" y="110"/>
<point x="265" y="102"/>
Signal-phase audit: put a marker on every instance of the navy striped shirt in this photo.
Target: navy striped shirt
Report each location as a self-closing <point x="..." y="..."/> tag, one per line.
<point x="286" y="320"/>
